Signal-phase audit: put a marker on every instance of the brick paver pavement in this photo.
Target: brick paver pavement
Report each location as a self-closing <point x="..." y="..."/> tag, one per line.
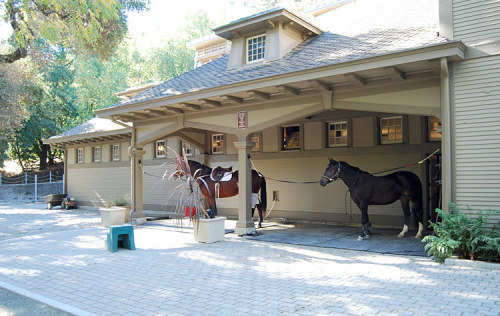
<point x="170" y="274"/>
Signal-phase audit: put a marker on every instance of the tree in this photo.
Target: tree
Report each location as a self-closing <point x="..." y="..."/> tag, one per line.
<point x="96" y="25"/>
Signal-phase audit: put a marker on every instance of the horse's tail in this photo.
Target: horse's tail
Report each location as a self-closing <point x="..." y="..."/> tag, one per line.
<point x="263" y="196"/>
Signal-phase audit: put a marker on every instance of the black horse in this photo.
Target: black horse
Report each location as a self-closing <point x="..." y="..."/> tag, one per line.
<point x="367" y="189"/>
<point x="212" y="186"/>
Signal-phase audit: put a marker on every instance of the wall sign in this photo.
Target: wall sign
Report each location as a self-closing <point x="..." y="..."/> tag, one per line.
<point x="242" y="119"/>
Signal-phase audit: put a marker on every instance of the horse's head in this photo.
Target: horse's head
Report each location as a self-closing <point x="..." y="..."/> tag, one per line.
<point x="219" y="173"/>
<point x="332" y="172"/>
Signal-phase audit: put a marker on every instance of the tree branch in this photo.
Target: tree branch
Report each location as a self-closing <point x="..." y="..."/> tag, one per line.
<point x="19" y="53"/>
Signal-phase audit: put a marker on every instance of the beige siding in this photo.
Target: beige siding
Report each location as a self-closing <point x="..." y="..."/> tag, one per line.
<point x="476" y="91"/>
<point x="330" y="203"/>
<point x="363" y="129"/>
<point x="97" y="186"/>
<point x="313" y="132"/>
<point x="476" y="21"/>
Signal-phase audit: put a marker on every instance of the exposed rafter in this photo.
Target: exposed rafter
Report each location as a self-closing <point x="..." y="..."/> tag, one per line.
<point x="319" y="85"/>
<point x="210" y="103"/>
<point x="270" y="24"/>
<point x="395" y="74"/>
<point x="254" y="94"/>
<point x="140" y="115"/>
<point x="288" y="24"/>
<point x="189" y="106"/>
<point x="231" y="99"/>
<point x="355" y="80"/>
<point x="168" y="109"/>
<point x="288" y="90"/>
<point x="155" y="112"/>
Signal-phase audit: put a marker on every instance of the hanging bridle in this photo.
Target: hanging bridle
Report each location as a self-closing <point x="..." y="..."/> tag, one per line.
<point x="335" y="176"/>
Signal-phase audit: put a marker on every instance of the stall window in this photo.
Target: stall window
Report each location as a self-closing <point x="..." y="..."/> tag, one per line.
<point x="79" y="155"/>
<point x="115" y="152"/>
<point x="96" y="157"/>
<point x="290" y="137"/>
<point x="434" y="128"/>
<point x="217" y="144"/>
<point x="161" y="149"/>
<point x="337" y="134"/>
<point x="188" y="149"/>
<point x="391" y="130"/>
<point x="255" y="139"/>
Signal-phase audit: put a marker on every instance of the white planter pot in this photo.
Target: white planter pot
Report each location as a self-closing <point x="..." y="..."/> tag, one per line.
<point x="209" y="230"/>
<point x="113" y="216"/>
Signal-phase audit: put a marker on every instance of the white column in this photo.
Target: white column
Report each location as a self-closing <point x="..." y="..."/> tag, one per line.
<point x="244" y="225"/>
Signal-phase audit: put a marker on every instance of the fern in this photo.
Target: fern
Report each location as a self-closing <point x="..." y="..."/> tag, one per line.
<point x="464" y="236"/>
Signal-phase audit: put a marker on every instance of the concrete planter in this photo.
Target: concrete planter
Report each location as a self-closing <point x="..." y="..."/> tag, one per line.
<point x="209" y="230"/>
<point x="113" y="216"/>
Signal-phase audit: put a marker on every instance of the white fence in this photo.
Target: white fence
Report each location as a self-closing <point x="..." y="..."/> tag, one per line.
<point x="31" y="186"/>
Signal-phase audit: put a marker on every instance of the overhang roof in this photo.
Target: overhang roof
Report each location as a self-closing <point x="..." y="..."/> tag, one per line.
<point x="260" y="20"/>
<point x="97" y="129"/>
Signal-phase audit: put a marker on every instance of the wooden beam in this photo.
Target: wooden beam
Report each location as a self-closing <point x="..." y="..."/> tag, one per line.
<point x="288" y="90"/>
<point x="189" y="106"/>
<point x="155" y="112"/>
<point x="254" y="94"/>
<point x="231" y="99"/>
<point x="140" y="115"/>
<point x="288" y="24"/>
<point x="355" y="80"/>
<point x="395" y="74"/>
<point x="168" y="109"/>
<point x="319" y="85"/>
<point x="270" y="24"/>
<point x="210" y="103"/>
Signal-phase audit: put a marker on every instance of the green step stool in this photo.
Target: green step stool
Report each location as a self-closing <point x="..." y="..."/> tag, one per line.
<point x="120" y="236"/>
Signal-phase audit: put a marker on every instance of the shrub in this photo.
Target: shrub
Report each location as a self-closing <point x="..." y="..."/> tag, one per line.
<point x="464" y="236"/>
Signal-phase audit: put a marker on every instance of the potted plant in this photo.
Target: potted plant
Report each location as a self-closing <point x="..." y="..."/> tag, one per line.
<point x="190" y="202"/>
<point x="116" y="212"/>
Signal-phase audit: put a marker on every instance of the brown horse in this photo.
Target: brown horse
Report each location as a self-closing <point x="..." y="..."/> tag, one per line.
<point x="213" y="186"/>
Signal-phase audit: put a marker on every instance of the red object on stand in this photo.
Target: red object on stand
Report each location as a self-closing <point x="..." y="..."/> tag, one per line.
<point x="193" y="211"/>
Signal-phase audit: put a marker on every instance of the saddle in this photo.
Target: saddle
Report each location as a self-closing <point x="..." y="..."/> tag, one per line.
<point x="220" y="174"/>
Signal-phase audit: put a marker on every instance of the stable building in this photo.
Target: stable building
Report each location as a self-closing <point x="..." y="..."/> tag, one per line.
<point x="378" y="84"/>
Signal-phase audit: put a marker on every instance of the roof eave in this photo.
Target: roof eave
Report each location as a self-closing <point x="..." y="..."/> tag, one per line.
<point x="452" y="50"/>
<point x="84" y="136"/>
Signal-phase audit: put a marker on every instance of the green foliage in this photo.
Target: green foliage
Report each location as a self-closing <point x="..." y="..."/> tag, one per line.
<point x="96" y="25"/>
<point x="463" y="235"/>
<point x="121" y="201"/>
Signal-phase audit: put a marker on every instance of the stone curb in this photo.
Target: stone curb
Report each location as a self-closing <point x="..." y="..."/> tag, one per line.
<point x="472" y="264"/>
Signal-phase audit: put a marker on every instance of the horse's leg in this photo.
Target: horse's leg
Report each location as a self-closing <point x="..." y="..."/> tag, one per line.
<point x="405" y="203"/>
<point x="419" y="215"/>
<point x="212" y="205"/>
<point x="366" y="226"/>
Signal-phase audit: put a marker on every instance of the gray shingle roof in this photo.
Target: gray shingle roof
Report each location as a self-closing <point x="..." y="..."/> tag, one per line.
<point x="323" y="50"/>
<point x="91" y="127"/>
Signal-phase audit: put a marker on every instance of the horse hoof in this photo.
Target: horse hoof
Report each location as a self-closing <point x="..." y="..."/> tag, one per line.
<point x="418" y="236"/>
<point x="363" y="237"/>
<point x="401" y="235"/>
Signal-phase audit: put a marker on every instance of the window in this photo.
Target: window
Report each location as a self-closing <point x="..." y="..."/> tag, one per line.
<point x="161" y="149"/>
<point x="96" y="154"/>
<point x="255" y="48"/>
<point x="188" y="149"/>
<point x="79" y="155"/>
<point x="391" y="130"/>
<point x="291" y="137"/>
<point x="434" y="128"/>
<point x="256" y="139"/>
<point x="337" y="134"/>
<point x="115" y="152"/>
<point x="217" y="144"/>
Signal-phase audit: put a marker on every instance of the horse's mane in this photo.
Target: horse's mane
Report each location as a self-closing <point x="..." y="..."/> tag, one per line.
<point x="354" y="168"/>
<point x="197" y="165"/>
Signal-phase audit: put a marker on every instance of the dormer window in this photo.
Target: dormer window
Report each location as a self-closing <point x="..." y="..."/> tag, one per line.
<point x="256" y="46"/>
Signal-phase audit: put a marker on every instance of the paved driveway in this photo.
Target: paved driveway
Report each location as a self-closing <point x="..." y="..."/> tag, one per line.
<point x="170" y="274"/>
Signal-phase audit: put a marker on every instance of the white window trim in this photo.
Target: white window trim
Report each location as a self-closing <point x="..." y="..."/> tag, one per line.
<point x="78" y="156"/>
<point x="164" y="155"/>
<point x="222" y="147"/>
<point x="191" y="154"/>
<point x="113" y="158"/>
<point x="328" y="131"/>
<point x="387" y="142"/>
<point x="96" y="149"/>
<point x="264" y="48"/>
